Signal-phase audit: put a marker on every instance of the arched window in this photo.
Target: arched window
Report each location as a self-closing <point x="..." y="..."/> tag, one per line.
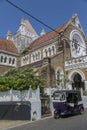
<point x="49" y="51"/>
<point x="9" y="60"/>
<point x="53" y="49"/>
<point x="1" y="58"/>
<point x="59" y="76"/>
<point x="36" y="56"/>
<point x="46" y="53"/>
<point x="33" y="57"/>
<point x="13" y="61"/>
<point x="5" y="59"/>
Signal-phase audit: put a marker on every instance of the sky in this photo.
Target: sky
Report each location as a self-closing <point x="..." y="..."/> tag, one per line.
<point x="52" y="12"/>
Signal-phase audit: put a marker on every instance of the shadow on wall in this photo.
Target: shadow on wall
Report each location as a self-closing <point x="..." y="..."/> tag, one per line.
<point x="15" y="111"/>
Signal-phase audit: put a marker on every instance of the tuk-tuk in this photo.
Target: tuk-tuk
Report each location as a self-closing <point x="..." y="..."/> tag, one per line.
<point x="67" y="102"/>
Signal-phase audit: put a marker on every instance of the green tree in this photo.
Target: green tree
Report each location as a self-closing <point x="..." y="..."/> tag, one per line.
<point x="3" y="84"/>
<point x="20" y="79"/>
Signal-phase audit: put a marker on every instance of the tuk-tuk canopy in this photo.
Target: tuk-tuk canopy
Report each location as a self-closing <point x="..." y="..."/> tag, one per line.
<point x="68" y="95"/>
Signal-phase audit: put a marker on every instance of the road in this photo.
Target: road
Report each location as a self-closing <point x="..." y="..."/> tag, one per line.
<point x="77" y="122"/>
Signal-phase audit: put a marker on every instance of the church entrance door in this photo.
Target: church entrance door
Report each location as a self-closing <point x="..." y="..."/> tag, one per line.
<point x="77" y="82"/>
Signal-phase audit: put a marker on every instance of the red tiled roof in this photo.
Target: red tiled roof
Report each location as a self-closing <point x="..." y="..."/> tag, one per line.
<point x="7" y="45"/>
<point x="52" y="34"/>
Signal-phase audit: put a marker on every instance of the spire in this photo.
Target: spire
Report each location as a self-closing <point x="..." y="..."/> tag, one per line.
<point x="22" y="22"/>
<point x="29" y="27"/>
<point x="22" y="25"/>
<point x="25" y="25"/>
<point x="42" y="32"/>
<point x="76" y="21"/>
<point x="9" y="34"/>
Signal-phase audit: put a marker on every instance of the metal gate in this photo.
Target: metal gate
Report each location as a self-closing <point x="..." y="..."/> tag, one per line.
<point x="45" y="106"/>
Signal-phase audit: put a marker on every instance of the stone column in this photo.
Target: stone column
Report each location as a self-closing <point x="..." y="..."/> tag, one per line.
<point x="11" y="95"/>
<point x="35" y="105"/>
<point x="85" y="83"/>
<point x="38" y="93"/>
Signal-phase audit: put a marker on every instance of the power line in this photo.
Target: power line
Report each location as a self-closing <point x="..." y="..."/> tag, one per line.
<point x="25" y="12"/>
<point x="36" y="19"/>
<point x="73" y="41"/>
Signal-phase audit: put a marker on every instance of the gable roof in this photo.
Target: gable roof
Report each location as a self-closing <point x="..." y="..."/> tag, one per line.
<point x="28" y="26"/>
<point x="52" y="34"/>
<point x="7" y="45"/>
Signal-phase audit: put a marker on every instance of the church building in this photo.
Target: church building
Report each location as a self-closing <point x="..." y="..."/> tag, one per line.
<point x="59" y="56"/>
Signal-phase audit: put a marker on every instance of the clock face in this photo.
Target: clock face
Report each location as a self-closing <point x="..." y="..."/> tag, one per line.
<point x="78" y="47"/>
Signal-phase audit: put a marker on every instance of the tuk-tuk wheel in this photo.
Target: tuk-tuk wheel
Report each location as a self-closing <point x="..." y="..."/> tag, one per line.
<point x="81" y="111"/>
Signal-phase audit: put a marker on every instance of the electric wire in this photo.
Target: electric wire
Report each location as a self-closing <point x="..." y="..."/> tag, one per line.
<point x="25" y="12"/>
<point x="41" y="22"/>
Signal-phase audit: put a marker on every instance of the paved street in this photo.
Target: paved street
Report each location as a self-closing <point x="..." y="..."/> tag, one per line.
<point x="78" y="122"/>
<point x="10" y="123"/>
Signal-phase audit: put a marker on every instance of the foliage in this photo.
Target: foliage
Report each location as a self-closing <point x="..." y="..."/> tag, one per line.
<point x="25" y="50"/>
<point x="42" y="93"/>
<point x="20" y="79"/>
<point x="4" y="88"/>
<point x="4" y="84"/>
<point x="59" y="81"/>
<point x="65" y="79"/>
<point x="85" y="93"/>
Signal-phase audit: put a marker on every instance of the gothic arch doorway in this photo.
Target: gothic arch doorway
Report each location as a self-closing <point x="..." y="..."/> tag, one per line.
<point x="77" y="82"/>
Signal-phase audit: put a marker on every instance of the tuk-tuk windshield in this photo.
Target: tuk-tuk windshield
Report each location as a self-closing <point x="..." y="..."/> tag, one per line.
<point x="69" y="95"/>
<point x="59" y="96"/>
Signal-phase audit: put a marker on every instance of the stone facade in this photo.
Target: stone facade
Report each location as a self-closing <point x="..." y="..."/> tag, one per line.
<point x="24" y="35"/>
<point x="60" y="55"/>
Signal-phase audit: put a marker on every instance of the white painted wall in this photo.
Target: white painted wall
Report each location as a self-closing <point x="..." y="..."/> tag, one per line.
<point x="33" y="96"/>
